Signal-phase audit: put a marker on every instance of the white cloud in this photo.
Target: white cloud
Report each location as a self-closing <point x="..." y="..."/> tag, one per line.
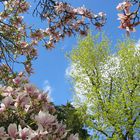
<point x="71" y="69"/>
<point x="47" y="88"/>
<point x="138" y="44"/>
<point x="67" y="71"/>
<point x="137" y="47"/>
<point x="75" y="72"/>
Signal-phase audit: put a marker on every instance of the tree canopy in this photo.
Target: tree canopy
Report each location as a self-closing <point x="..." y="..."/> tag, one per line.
<point x="107" y="86"/>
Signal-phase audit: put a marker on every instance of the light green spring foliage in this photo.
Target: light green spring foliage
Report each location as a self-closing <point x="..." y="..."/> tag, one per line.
<point x="107" y="87"/>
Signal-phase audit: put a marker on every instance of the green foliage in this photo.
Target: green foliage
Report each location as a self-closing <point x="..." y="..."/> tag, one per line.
<point x="69" y="115"/>
<point x="107" y="87"/>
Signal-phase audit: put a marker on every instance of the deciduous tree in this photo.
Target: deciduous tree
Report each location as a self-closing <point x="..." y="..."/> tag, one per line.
<point x="74" y="122"/>
<point x="107" y="86"/>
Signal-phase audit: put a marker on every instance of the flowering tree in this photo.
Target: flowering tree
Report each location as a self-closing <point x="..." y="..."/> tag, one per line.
<point x="18" y="40"/>
<point x="26" y="113"/>
<point x="106" y="87"/>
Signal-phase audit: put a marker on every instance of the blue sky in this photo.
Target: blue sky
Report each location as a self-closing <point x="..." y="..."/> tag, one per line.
<point x="50" y="67"/>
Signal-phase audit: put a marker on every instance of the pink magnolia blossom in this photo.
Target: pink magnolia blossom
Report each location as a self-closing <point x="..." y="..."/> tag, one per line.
<point x="122" y="17"/>
<point x="27" y="107"/>
<point x="17" y="80"/>
<point x="7" y="91"/>
<point x="73" y="137"/>
<point x="123" y="6"/>
<point x="7" y="101"/>
<point x="12" y="130"/>
<point x="30" y="88"/>
<point x="22" y="99"/>
<point x="38" y="134"/>
<point x="44" y="118"/>
<point x="24" y="133"/>
<point x="43" y="96"/>
<point x="126" y="23"/>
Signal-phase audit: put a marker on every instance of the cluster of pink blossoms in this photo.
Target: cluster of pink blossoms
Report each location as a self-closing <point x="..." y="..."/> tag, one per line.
<point x="27" y="114"/>
<point x="128" y="19"/>
<point x="14" y="39"/>
<point x="65" y="20"/>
